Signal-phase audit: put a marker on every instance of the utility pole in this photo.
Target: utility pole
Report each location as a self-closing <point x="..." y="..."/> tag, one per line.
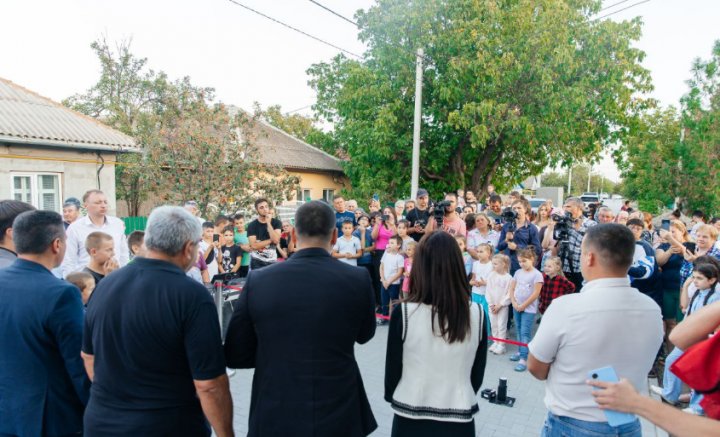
<point x="415" y="179"/>
<point x="569" y="179"/>
<point x="589" y="176"/>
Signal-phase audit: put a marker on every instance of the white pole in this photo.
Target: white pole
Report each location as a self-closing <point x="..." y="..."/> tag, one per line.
<point x="569" y="179"/>
<point x="415" y="179"/>
<point x="589" y="175"/>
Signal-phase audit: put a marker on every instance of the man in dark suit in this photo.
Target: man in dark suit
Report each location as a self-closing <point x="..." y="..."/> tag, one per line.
<point x="296" y="324"/>
<point x="43" y="385"/>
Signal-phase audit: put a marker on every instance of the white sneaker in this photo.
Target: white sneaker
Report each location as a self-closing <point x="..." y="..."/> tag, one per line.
<point x="493" y="348"/>
<point x="500" y="350"/>
<point x="657" y="390"/>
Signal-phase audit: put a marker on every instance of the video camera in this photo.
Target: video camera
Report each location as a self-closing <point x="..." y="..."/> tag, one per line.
<point x="509" y="216"/>
<point x="439" y="211"/>
<point x="563" y="223"/>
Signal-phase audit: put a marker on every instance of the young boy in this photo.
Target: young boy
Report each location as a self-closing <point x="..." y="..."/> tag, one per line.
<point x="241" y="239"/>
<point x="347" y="248"/>
<point x="210" y="247"/>
<point x="135" y="243"/>
<point x="101" y="248"/>
<point x="391" y="270"/>
<point x="84" y="282"/>
<point x="230" y="257"/>
<point x="402" y="231"/>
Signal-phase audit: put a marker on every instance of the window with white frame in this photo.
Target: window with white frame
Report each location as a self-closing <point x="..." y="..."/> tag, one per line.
<point x="328" y="194"/>
<point x="302" y="195"/>
<point x="42" y="190"/>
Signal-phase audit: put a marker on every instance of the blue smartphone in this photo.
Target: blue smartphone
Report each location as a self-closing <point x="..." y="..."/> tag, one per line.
<point x="614" y="418"/>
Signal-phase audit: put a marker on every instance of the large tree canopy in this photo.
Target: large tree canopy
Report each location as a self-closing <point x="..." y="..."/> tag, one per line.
<point x="512" y="86"/>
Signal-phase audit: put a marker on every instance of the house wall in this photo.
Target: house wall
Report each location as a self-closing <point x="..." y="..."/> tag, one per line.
<point x="78" y="170"/>
<point x="317" y="182"/>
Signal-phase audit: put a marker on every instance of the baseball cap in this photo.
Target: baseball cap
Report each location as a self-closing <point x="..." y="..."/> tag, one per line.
<point x="71" y="201"/>
<point x="422" y="192"/>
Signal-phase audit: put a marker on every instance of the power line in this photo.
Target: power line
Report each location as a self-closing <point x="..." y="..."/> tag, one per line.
<point x="295" y="29"/>
<point x="613" y="5"/>
<point x="620" y="10"/>
<point x="335" y="13"/>
<point x="298" y="109"/>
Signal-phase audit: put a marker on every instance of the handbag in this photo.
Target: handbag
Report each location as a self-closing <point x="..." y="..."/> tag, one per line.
<point x="699" y="367"/>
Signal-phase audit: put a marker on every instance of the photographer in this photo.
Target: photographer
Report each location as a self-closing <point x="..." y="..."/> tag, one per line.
<point x="576" y="229"/>
<point x="419" y="216"/>
<point x="518" y="233"/>
<point x="451" y="221"/>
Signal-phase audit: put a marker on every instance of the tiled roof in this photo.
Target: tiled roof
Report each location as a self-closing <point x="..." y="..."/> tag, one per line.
<point x="277" y="147"/>
<point x="28" y="118"/>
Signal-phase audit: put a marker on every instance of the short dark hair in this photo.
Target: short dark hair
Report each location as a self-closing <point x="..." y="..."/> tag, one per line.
<point x="34" y="231"/>
<point x="137" y="237"/>
<point x="452" y="195"/>
<point x="221" y="219"/>
<point x="208" y="225"/>
<point x="348" y="222"/>
<point x="238" y="216"/>
<point x="698" y="213"/>
<point x="635" y="222"/>
<point x="228" y="229"/>
<point x="614" y="243"/>
<point x="338" y="196"/>
<point x="494" y="198"/>
<point x="9" y="209"/>
<point x="315" y="219"/>
<point x="259" y="201"/>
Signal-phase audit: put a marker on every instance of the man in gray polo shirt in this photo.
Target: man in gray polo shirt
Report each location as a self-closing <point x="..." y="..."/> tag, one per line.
<point x="608" y="323"/>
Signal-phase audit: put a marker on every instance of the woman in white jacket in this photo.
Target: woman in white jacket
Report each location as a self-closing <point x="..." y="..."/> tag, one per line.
<point x="437" y="346"/>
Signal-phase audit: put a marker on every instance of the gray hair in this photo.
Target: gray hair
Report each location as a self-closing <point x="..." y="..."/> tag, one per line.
<point x="399" y="203"/>
<point x="169" y="228"/>
<point x="605" y="209"/>
<point x="575" y="201"/>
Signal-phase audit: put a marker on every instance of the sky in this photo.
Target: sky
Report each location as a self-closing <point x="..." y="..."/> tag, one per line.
<point x="45" y="44"/>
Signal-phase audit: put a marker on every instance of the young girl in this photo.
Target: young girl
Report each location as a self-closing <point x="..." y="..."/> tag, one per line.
<point x="498" y="299"/>
<point x="402" y="231"/>
<point x="524" y="292"/>
<point x="467" y="259"/>
<point x="409" y="253"/>
<point x="480" y="271"/>
<point x="705" y="277"/>
<point x="555" y="283"/>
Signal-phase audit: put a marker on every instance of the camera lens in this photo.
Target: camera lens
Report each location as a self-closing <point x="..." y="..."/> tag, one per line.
<point x="594" y="376"/>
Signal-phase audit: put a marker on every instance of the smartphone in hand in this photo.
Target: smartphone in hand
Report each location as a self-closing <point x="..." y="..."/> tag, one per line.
<point x="614" y="418"/>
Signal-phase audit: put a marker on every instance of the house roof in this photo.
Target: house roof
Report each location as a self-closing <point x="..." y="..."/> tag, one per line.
<point x="277" y="147"/>
<point x="28" y="118"/>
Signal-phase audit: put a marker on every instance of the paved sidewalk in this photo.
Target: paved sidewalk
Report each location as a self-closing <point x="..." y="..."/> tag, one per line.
<point x="524" y="419"/>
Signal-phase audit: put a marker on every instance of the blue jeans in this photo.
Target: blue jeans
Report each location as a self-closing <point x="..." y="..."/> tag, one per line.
<point x="672" y="385"/>
<point x="388" y="294"/>
<point x="523" y="325"/>
<point x="561" y="426"/>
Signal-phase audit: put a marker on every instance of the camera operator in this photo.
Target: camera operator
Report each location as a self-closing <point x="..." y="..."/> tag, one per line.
<point x="518" y="233"/>
<point x="494" y="211"/>
<point x="576" y="232"/>
<point x="419" y="216"/>
<point x="451" y="221"/>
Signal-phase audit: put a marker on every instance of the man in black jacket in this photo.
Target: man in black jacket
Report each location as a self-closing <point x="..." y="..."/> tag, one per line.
<point x="296" y="323"/>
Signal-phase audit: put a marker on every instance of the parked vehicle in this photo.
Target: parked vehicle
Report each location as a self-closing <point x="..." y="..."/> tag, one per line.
<point x="590" y="197"/>
<point x="535" y="202"/>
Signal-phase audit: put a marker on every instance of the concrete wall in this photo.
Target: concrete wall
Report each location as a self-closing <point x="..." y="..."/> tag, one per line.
<point x="77" y="170"/>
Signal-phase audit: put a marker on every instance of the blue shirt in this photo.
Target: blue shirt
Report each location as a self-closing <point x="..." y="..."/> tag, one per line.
<point x="524" y="236"/>
<point x="367" y="256"/>
<point x="342" y="217"/>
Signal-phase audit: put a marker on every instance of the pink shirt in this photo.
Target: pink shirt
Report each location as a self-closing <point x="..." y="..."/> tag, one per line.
<point x="406" y="281"/>
<point x="383" y="237"/>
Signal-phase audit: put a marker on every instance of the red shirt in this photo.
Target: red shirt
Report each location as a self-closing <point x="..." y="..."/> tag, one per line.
<point x="552" y="289"/>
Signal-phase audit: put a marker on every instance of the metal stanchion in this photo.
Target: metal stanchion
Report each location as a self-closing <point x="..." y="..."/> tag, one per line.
<point x="219" y="301"/>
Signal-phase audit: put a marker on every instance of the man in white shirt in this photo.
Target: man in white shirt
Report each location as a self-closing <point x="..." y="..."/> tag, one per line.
<point x="76" y="257"/>
<point x="607" y="324"/>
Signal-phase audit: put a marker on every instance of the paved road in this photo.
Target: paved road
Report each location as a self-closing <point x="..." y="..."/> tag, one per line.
<point x="525" y="419"/>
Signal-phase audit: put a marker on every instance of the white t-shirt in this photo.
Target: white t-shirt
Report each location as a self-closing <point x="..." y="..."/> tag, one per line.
<point x="213" y="265"/>
<point x="608" y="323"/>
<point x="525" y="286"/>
<point x="351" y="246"/>
<point x="481" y="271"/>
<point x="392" y="263"/>
<point x="498" y="289"/>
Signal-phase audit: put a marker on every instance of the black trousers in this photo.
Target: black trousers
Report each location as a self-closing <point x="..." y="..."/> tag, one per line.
<point x="403" y="426"/>
<point x="575" y="278"/>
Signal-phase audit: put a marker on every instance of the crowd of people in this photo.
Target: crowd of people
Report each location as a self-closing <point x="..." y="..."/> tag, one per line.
<point x="110" y="325"/>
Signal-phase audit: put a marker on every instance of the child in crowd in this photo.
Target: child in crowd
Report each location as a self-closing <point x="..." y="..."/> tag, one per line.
<point x="209" y="247"/>
<point x="402" y="231"/>
<point x="84" y="282"/>
<point x="199" y="270"/>
<point x="391" y="270"/>
<point x="555" y="284"/>
<point x="101" y="248"/>
<point x="498" y="299"/>
<point x="480" y="271"/>
<point x="524" y="292"/>
<point x="467" y="259"/>
<point x="363" y="232"/>
<point x="347" y="248"/>
<point x="136" y="244"/>
<point x="230" y="257"/>
<point x="241" y="239"/>
<point x="407" y="266"/>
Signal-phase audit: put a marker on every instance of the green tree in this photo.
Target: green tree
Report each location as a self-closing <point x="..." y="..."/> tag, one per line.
<point x="187" y="141"/>
<point x="512" y="87"/>
<point x="659" y="167"/>
<point x="299" y="126"/>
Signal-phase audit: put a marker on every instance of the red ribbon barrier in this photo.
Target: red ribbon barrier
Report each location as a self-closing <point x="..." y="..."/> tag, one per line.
<point x="231" y="287"/>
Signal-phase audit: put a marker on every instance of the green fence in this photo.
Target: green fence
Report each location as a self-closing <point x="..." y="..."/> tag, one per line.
<point x="134" y="224"/>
